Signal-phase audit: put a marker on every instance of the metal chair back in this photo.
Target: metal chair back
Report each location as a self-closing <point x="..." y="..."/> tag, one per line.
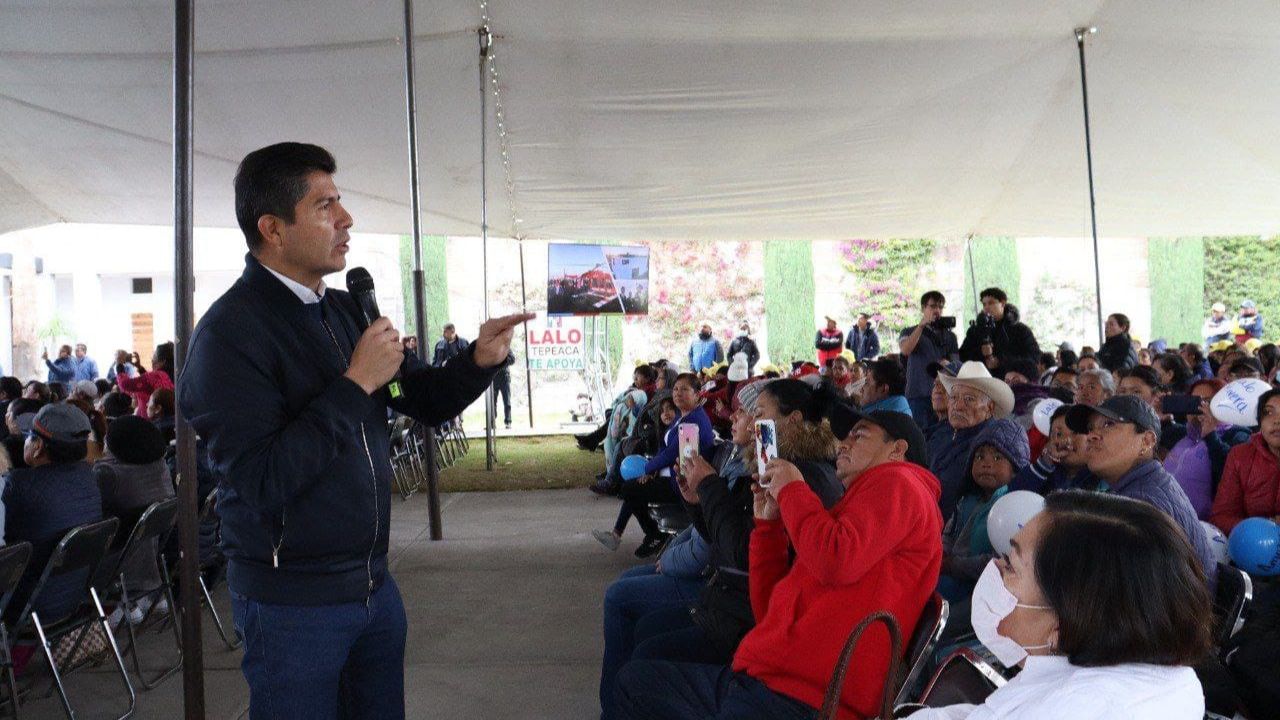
<point x="924" y="639"/>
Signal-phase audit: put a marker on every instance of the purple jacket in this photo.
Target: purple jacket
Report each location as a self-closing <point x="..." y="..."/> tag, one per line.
<point x="1189" y="463"/>
<point x="1151" y="483"/>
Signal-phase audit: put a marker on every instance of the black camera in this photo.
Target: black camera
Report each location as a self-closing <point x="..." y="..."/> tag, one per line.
<point x="945" y="322"/>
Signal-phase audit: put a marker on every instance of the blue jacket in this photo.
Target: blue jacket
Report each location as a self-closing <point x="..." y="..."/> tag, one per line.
<point x="667" y="456"/>
<point x="61" y="370"/>
<point x="41" y="504"/>
<point x="301" y="452"/>
<point x="894" y="403"/>
<point x="1151" y="483"/>
<point x="86" y="369"/>
<point x="704" y="353"/>
<point x="865" y="345"/>
<point x="949" y="451"/>
<point x="686" y="555"/>
<point x="1044" y="477"/>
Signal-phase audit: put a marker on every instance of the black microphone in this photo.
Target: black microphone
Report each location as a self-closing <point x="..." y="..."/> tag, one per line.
<point x="360" y="285"/>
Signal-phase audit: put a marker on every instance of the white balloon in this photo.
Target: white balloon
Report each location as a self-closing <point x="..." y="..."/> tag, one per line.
<point x="1217" y="541"/>
<point x="1009" y="514"/>
<point x="1042" y="415"/>
<point x="1237" y="403"/>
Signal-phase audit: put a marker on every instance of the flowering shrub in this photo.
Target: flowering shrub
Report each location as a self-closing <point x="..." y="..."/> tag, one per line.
<point x="882" y="279"/>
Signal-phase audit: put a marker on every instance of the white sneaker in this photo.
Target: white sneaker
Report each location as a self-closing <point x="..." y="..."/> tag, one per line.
<point x="607" y="538"/>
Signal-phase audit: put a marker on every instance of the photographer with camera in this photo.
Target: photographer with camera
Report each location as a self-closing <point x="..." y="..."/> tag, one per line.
<point x="997" y="337"/>
<point x="930" y="341"/>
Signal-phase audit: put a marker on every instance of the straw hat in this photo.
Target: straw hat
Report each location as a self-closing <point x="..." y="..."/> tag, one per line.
<point x="975" y="375"/>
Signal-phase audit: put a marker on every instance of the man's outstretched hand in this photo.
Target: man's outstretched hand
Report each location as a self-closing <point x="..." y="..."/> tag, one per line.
<point x="494" y="343"/>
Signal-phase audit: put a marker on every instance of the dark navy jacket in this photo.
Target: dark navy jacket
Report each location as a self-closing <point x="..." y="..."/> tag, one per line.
<point x="302" y="453"/>
<point x="41" y="504"/>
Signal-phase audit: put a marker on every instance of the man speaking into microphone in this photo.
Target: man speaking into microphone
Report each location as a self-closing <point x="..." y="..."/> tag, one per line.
<point x="288" y="389"/>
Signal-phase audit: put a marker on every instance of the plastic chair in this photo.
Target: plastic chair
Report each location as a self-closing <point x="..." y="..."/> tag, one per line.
<point x="962" y="678"/>
<point x="13" y="562"/>
<point x="1230" y="602"/>
<point x="671" y="518"/>
<point x="80" y="551"/>
<point x="924" y="640"/>
<point x="148" y="536"/>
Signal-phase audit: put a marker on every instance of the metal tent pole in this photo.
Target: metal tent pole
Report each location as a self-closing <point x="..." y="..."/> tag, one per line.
<point x="486" y="43"/>
<point x="419" y="278"/>
<point x="184" y="317"/>
<point x="524" y="308"/>
<point x="1081" y="32"/>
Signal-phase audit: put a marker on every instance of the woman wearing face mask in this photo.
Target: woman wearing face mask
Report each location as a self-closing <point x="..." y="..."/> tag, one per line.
<point x="1103" y="604"/>
<point x="999" y="452"/>
<point x="1062" y="464"/>
<point x="1197" y="460"/>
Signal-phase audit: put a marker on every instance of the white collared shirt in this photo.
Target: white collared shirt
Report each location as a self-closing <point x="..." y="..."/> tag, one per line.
<point x="1049" y="688"/>
<point x="304" y="293"/>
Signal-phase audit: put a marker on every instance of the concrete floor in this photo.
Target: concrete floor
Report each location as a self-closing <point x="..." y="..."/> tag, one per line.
<point x="504" y="616"/>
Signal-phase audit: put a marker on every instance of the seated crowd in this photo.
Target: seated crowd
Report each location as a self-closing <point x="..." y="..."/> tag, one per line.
<point x="886" y="475"/>
<point x="79" y="449"/>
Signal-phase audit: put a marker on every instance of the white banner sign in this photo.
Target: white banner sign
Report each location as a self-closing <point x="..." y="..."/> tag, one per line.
<point x="558" y="344"/>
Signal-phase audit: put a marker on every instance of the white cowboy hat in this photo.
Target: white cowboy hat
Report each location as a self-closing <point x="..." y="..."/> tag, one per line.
<point x="975" y="375"/>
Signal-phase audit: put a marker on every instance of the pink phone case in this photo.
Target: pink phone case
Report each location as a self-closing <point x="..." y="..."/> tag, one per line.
<point x="688" y="440"/>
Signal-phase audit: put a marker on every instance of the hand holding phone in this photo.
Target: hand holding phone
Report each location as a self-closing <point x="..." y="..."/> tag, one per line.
<point x="688" y="434"/>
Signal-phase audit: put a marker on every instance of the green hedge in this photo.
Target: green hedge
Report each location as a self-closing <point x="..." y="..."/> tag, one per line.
<point x="1176" y="271"/>
<point x="436" y="283"/>
<point x="789" y="299"/>
<point x="995" y="264"/>
<point x="1239" y="267"/>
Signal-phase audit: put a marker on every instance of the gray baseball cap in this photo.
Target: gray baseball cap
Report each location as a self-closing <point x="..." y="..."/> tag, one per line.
<point x="61" y="423"/>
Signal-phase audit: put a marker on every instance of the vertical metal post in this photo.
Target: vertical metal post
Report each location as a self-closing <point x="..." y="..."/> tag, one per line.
<point x="486" y="43"/>
<point x="1081" y="32"/>
<point x="184" y="316"/>
<point x="524" y="308"/>
<point x="419" y="278"/>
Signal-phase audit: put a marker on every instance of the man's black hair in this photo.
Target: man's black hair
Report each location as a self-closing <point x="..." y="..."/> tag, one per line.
<point x="272" y="180"/>
<point x="61" y="453"/>
<point x="889" y="373"/>
<point x="11" y="387"/>
<point x="994" y="292"/>
<point x="932" y="296"/>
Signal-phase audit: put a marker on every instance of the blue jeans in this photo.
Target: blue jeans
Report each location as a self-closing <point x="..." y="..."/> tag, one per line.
<point x="672" y="635"/>
<point x="676" y="691"/>
<point x="324" y="662"/>
<point x="636" y="593"/>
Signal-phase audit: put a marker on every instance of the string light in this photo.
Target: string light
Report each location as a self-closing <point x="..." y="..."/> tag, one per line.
<point x="504" y="146"/>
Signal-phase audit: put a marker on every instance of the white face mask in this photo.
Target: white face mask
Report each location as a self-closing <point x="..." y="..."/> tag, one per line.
<point x="992" y="602"/>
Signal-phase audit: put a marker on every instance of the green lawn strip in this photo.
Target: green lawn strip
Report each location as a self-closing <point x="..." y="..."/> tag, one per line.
<point x="524" y="463"/>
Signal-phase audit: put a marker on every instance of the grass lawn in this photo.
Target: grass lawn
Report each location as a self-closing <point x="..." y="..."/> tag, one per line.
<point x="524" y="463"/>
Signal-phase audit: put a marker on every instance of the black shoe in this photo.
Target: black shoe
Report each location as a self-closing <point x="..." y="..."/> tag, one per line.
<point x="602" y="486"/>
<point x="652" y="545"/>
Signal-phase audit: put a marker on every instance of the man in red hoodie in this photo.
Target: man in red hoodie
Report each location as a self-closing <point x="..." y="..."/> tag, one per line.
<point x="878" y="548"/>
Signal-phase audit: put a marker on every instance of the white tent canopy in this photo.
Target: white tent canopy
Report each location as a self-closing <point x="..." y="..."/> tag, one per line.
<point x="667" y="119"/>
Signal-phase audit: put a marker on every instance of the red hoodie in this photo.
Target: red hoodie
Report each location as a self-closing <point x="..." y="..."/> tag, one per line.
<point x="879" y="548"/>
<point x="1250" y="485"/>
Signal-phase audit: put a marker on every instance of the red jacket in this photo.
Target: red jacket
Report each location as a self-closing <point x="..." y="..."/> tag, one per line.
<point x="1250" y="485"/>
<point x="879" y="548"/>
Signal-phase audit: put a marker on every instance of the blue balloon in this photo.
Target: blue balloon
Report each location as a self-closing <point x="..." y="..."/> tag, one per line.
<point x="1255" y="547"/>
<point x="632" y="467"/>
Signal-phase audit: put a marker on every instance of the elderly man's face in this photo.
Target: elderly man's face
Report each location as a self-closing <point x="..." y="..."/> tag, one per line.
<point x="968" y="406"/>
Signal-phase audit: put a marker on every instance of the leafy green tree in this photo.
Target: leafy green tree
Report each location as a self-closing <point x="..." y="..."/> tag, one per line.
<point x="988" y="262"/>
<point x="1176" y="270"/>
<point x="789" y="299"/>
<point x="1240" y="267"/>
<point x="436" y="284"/>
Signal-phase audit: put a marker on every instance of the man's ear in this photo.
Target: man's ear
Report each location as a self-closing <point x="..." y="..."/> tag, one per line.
<point x="271" y="229"/>
<point x="899" y="451"/>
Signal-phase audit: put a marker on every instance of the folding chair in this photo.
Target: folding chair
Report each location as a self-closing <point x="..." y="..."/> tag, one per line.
<point x="206" y="515"/>
<point x="13" y="562"/>
<point x="147" y="539"/>
<point x="81" y="551"/>
<point x="671" y="518"/>
<point x="1230" y="602"/>
<point x="962" y="678"/>
<point x="924" y="639"/>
